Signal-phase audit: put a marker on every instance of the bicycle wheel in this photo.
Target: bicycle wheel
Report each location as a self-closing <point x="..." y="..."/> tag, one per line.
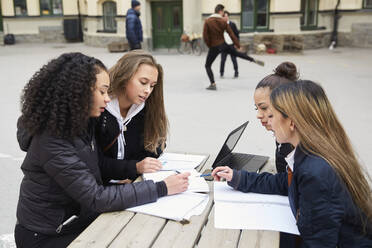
<point x="197" y="49"/>
<point x="184" y="48"/>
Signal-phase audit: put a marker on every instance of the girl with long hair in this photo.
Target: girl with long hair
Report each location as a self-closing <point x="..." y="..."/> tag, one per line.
<point x="284" y="73"/>
<point x="134" y="126"/>
<point x="328" y="191"/>
<point x="63" y="189"/>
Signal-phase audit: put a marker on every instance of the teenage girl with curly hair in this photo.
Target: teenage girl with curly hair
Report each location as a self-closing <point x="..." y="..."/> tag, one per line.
<point x="62" y="190"/>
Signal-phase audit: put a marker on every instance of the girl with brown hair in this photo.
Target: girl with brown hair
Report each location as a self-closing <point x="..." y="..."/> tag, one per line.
<point x="134" y="126"/>
<point x="63" y="189"/>
<point x="328" y="191"/>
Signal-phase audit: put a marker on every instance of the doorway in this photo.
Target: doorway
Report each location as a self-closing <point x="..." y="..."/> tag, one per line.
<point x="167" y="24"/>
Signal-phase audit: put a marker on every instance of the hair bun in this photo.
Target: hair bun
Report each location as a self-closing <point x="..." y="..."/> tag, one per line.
<point x="287" y="70"/>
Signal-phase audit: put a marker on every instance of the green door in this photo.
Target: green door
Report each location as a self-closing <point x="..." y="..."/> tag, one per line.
<point x="166" y="24"/>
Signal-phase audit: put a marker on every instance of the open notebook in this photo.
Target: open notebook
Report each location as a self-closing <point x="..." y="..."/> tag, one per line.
<point x="238" y="210"/>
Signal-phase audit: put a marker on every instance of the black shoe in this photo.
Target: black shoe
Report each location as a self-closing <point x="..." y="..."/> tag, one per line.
<point x="211" y="87"/>
<point x="258" y="62"/>
<point x="221" y="75"/>
<point x="236" y="74"/>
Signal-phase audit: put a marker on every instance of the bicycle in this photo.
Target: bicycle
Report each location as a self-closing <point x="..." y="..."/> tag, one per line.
<point x="188" y="45"/>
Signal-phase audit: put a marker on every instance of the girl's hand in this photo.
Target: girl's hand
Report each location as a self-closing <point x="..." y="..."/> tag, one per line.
<point x="148" y="165"/>
<point x="177" y="183"/>
<point x="222" y="172"/>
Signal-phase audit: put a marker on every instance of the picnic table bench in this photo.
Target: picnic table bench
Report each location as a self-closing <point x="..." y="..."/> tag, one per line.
<point x="128" y="229"/>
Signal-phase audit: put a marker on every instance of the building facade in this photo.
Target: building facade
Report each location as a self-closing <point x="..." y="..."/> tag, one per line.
<point x="277" y="23"/>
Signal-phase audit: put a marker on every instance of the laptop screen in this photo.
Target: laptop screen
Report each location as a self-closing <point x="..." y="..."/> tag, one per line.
<point x="230" y="142"/>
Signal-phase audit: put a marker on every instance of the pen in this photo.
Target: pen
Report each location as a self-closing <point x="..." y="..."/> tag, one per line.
<point x="205" y="175"/>
<point x="178" y="172"/>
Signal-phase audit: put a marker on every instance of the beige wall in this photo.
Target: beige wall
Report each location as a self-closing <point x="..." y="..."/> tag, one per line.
<point x="285" y="23"/>
<point x="348" y="19"/>
<point x="19" y="26"/>
<point x="192" y="17"/>
<point x="344" y="4"/>
<point x="289" y="6"/>
<point x="69" y="7"/>
<point x="208" y="6"/>
<point x="33" y="7"/>
<point x="7" y="8"/>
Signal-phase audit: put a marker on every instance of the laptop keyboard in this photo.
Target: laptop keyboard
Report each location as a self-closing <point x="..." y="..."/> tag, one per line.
<point x="236" y="159"/>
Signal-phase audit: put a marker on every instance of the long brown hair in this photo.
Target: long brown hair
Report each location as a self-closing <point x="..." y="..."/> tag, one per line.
<point x="156" y="122"/>
<point x="321" y="134"/>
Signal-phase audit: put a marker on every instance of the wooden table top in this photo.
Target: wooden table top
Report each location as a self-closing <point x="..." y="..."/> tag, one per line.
<point x="128" y="229"/>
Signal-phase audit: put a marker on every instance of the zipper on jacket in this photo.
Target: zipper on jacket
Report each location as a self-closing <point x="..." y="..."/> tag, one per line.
<point x="66" y="222"/>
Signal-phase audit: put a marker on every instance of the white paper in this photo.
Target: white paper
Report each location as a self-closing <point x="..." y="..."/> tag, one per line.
<point x="179" y="161"/>
<point x="196" y="183"/>
<point x="175" y="207"/>
<point x="238" y="210"/>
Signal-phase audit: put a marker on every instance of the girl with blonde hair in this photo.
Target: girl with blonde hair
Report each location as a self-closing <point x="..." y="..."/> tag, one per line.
<point x="328" y="191"/>
<point x="134" y="126"/>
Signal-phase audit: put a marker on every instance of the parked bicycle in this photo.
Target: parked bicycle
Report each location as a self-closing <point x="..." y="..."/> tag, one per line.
<point x="190" y="45"/>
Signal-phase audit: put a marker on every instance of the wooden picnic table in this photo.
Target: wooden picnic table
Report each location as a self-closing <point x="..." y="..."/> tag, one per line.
<point x="128" y="229"/>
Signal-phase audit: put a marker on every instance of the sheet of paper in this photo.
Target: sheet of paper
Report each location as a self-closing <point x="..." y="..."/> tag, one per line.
<point x="179" y="161"/>
<point x="196" y="183"/>
<point x="176" y="207"/>
<point x="223" y="192"/>
<point x="238" y="210"/>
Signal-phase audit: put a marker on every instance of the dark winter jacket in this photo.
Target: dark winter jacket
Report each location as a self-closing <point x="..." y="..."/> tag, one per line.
<point x="327" y="215"/>
<point x="108" y="129"/>
<point x="65" y="177"/>
<point x="213" y="29"/>
<point x="133" y="27"/>
<point x="282" y="151"/>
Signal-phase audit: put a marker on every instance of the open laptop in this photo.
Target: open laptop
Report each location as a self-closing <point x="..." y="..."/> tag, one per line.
<point x="238" y="161"/>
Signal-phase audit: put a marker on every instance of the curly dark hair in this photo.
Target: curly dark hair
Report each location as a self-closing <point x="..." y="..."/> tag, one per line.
<point x="58" y="97"/>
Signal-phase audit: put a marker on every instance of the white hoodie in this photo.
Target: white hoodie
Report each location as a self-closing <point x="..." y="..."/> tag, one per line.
<point x="114" y="109"/>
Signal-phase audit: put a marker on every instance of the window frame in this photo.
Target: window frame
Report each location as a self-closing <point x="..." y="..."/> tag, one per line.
<point x="365" y="6"/>
<point x="306" y="13"/>
<point x="15" y="13"/>
<point x="114" y="30"/>
<point x="256" y="28"/>
<point x="51" y="10"/>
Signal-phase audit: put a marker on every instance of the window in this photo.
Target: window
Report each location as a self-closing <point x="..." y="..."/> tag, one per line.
<point x="367" y="4"/>
<point x="51" y="7"/>
<point x="255" y="15"/>
<point x="109" y="14"/>
<point x="309" y="10"/>
<point x="20" y="8"/>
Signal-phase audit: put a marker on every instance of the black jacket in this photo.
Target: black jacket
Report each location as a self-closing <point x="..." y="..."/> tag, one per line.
<point x="108" y="129"/>
<point x="65" y="177"/>
<point x="234" y="29"/>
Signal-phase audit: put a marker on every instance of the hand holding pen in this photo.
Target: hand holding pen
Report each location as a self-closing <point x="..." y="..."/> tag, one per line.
<point x="222" y="172"/>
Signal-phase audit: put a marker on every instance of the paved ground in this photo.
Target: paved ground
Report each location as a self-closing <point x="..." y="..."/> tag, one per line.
<point x="199" y="119"/>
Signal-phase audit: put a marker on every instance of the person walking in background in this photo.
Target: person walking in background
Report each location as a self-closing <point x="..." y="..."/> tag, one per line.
<point x="133" y="26"/>
<point x="230" y="43"/>
<point x="214" y="27"/>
